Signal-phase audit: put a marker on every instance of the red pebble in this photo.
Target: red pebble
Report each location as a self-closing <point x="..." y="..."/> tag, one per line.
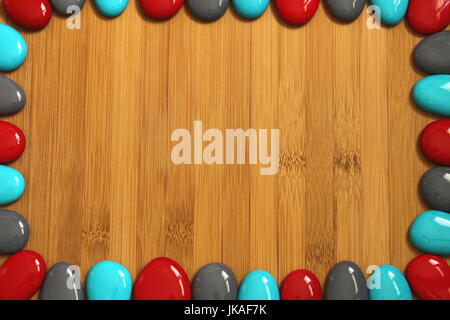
<point x="297" y="12"/>
<point x="429" y="277"/>
<point x="12" y="142"/>
<point x="21" y="275"/>
<point x="429" y="16"/>
<point x="161" y="9"/>
<point x="162" y="279"/>
<point x="301" y="285"/>
<point x="30" y="14"/>
<point x="435" y="142"/>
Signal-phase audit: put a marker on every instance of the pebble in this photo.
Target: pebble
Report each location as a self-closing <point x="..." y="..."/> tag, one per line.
<point x="208" y="10"/>
<point x="432" y="94"/>
<point x="346" y="281"/>
<point x="297" y="13"/>
<point x="391" y="11"/>
<point x="111" y="8"/>
<point x="214" y="281"/>
<point x="345" y="10"/>
<point x="12" y="185"/>
<point x="301" y="285"/>
<point x="21" y="275"/>
<point x="388" y="283"/>
<point x="435" y="188"/>
<point x="67" y="7"/>
<point x="13" y="50"/>
<point x="108" y="280"/>
<point x="430" y="232"/>
<point x="259" y="285"/>
<point x="432" y="54"/>
<point x="161" y="9"/>
<point x="29" y="14"/>
<point x="250" y="9"/>
<point x="435" y="142"/>
<point x="12" y="97"/>
<point x="162" y="279"/>
<point x="14" y="232"/>
<point x="62" y="282"/>
<point x="428" y="16"/>
<point x="12" y="142"/>
<point x="429" y="277"/>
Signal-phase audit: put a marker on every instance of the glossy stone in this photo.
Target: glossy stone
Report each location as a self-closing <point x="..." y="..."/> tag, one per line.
<point x="430" y="232"/>
<point x="428" y="16"/>
<point x="111" y="8"/>
<point x="391" y="11"/>
<point x="21" y="275"/>
<point x="346" y="281"/>
<point x="14" y="232"/>
<point x="29" y="14"/>
<point x="12" y="142"/>
<point x="208" y="10"/>
<point x="432" y="94"/>
<point x="62" y="282"/>
<point x="301" y="285"/>
<point x="67" y="7"/>
<point x="12" y="185"/>
<point x="12" y="97"/>
<point x="161" y="9"/>
<point x="259" y="285"/>
<point x="297" y="12"/>
<point x="214" y="281"/>
<point x="388" y="283"/>
<point x="162" y="279"/>
<point x="435" y="142"/>
<point x="435" y="188"/>
<point x="345" y="10"/>
<point x="250" y="9"/>
<point x="13" y="50"/>
<point x="108" y="280"/>
<point x="432" y="54"/>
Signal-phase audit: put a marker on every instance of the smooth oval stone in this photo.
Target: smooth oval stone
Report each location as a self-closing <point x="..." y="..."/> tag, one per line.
<point x="21" y="275"/>
<point x="388" y="283"/>
<point x="13" y="50"/>
<point x="214" y="281"/>
<point x="67" y="7"/>
<point x="108" y="280"/>
<point x="428" y="16"/>
<point x="62" y="282"/>
<point x="250" y="9"/>
<point x="12" y="97"/>
<point x="432" y="94"/>
<point x="259" y="285"/>
<point x="12" y="142"/>
<point x="111" y="8"/>
<point x="14" y="232"/>
<point x="29" y="14"/>
<point x="345" y="10"/>
<point x="297" y="12"/>
<point x="391" y="11"/>
<point x="12" y="185"/>
<point x="429" y="277"/>
<point x="432" y="54"/>
<point x="301" y="285"/>
<point x="161" y="9"/>
<point x="208" y="10"/>
<point x="430" y="232"/>
<point x="435" y="188"/>
<point x="162" y="279"/>
<point x="435" y="142"/>
<point x="346" y="281"/>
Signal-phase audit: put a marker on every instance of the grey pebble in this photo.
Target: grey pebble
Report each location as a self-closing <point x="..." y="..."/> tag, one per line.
<point x="62" y="282"/>
<point x="208" y="10"/>
<point x="12" y="97"/>
<point x="432" y="54"/>
<point x="346" y="281"/>
<point x="214" y="281"/>
<point x="14" y="232"/>
<point x="345" y="10"/>
<point x="63" y="7"/>
<point x="435" y="188"/>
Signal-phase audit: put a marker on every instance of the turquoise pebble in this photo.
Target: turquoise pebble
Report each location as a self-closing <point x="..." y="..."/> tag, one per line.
<point x="432" y="94"/>
<point x="388" y="283"/>
<point x="108" y="280"/>
<point x="250" y="9"/>
<point x="13" y="48"/>
<point x="12" y="185"/>
<point x="430" y="232"/>
<point x="259" y="285"/>
<point x="111" y="8"/>
<point x="391" y="11"/>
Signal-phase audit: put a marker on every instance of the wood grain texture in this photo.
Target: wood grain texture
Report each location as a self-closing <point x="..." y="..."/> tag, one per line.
<point x="104" y="100"/>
